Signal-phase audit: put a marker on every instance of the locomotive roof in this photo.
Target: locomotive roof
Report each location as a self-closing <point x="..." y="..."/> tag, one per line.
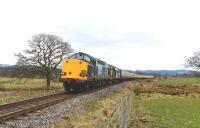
<point x="93" y="57"/>
<point x="97" y="59"/>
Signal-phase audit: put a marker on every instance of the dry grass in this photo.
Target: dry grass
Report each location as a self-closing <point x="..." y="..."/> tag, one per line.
<point x="12" y="96"/>
<point x="168" y="89"/>
<point x="97" y="112"/>
<point x="169" y="103"/>
<point x="7" y="83"/>
<point x="177" y="81"/>
<point x="12" y="89"/>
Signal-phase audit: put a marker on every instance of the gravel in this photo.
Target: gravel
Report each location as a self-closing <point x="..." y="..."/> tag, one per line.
<point x="45" y="118"/>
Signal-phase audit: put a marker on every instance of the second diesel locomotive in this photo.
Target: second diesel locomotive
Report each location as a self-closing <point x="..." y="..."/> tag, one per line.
<point x="82" y="72"/>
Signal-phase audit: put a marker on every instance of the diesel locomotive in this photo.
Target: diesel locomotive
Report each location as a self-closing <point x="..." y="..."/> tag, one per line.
<point x="82" y="71"/>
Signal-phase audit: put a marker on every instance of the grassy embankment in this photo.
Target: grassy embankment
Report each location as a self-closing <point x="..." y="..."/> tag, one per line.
<point x="97" y="113"/>
<point x="12" y="89"/>
<point x="177" y="110"/>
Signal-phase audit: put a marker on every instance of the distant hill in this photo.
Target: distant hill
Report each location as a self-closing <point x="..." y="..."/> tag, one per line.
<point x="5" y="65"/>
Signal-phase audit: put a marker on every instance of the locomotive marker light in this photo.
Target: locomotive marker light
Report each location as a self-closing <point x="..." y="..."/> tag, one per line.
<point x="63" y="73"/>
<point x="83" y="73"/>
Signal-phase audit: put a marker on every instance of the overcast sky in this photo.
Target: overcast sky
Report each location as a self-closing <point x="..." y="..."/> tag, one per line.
<point x="135" y="34"/>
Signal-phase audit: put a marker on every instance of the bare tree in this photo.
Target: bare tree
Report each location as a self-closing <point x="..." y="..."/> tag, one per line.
<point x="45" y="51"/>
<point x="194" y="61"/>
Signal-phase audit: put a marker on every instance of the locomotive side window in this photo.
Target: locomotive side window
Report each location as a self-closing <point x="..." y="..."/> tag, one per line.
<point x="86" y="58"/>
<point x="100" y="70"/>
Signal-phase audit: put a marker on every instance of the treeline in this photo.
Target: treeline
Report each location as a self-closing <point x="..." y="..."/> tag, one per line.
<point x="27" y="72"/>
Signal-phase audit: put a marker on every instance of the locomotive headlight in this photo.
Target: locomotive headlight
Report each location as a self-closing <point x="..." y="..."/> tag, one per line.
<point x="83" y="73"/>
<point x="63" y="73"/>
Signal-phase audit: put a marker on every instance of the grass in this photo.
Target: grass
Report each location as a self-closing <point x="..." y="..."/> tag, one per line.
<point x="7" y="83"/>
<point x="176" y="112"/>
<point x="96" y="112"/>
<point x="156" y="111"/>
<point x="92" y="106"/>
<point x="178" y="81"/>
<point x="12" y="89"/>
<point x="12" y="96"/>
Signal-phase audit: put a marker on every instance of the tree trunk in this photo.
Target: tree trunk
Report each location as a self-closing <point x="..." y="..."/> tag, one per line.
<point x="48" y="75"/>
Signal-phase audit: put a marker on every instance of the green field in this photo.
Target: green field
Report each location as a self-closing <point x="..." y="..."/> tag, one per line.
<point x="12" y="96"/>
<point x="178" y="81"/>
<point x="8" y="83"/>
<point x="156" y="111"/>
<point x="12" y="89"/>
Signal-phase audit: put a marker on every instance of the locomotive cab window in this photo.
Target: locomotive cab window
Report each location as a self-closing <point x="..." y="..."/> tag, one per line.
<point x="73" y="56"/>
<point x="86" y="58"/>
<point x="80" y="56"/>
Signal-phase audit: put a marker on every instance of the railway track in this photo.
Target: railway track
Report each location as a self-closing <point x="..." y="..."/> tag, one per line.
<point x="18" y="108"/>
<point x="15" y="109"/>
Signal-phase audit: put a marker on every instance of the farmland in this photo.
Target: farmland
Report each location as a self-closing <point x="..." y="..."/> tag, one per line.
<point x="154" y="105"/>
<point x="178" y="81"/>
<point x="12" y="89"/>
<point x="171" y="102"/>
<point x="9" y="83"/>
<point x="156" y="110"/>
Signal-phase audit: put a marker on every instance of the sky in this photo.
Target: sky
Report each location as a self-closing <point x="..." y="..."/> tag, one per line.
<point x="130" y="34"/>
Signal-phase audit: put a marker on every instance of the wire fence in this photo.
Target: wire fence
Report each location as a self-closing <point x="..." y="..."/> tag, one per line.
<point x="120" y="116"/>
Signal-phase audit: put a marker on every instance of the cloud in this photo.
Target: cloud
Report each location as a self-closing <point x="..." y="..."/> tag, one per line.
<point x="130" y="34"/>
<point x="96" y="37"/>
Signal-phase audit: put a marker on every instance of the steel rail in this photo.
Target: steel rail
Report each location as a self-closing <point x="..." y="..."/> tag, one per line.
<point x="28" y="100"/>
<point x="15" y="109"/>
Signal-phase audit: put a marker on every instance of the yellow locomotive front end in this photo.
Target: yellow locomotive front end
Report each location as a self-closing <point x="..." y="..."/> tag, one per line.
<point x="74" y="74"/>
<point x="74" y="69"/>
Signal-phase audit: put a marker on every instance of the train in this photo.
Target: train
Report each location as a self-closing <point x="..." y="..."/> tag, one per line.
<point x="82" y="72"/>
